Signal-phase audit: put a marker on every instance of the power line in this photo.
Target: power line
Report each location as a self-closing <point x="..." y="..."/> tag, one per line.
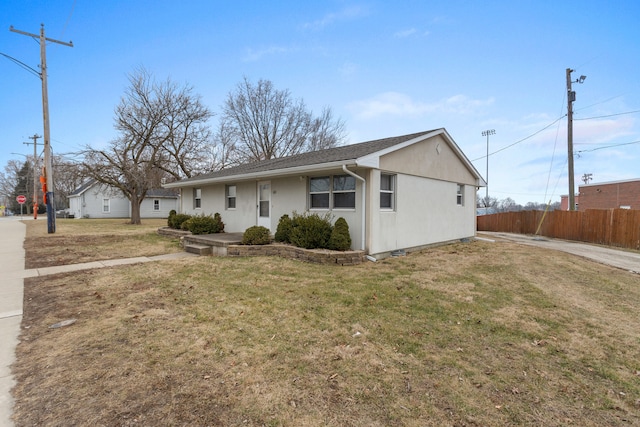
<point x="21" y="64"/>
<point x="609" y="115"/>
<point x="523" y="139"/>
<point x="609" y="146"/>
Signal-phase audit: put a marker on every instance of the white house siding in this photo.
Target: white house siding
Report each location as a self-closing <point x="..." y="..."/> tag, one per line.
<point x="166" y="205"/>
<point x="288" y="195"/>
<point x="89" y="204"/>
<point x="426" y="212"/>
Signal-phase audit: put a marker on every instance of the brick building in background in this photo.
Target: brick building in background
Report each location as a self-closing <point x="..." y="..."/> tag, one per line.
<point x="606" y="195"/>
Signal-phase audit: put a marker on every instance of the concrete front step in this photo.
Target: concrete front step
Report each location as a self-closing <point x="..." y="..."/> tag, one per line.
<point x="197" y="249"/>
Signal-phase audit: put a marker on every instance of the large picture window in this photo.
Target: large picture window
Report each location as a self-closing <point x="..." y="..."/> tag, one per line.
<point x="387" y="191"/>
<point x="332" y="192"/>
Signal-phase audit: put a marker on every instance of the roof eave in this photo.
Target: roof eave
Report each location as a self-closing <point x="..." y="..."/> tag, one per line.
<point x="264" y="174"/>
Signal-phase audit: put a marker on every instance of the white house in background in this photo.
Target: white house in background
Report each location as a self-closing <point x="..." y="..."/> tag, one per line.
<point x="400" y="193"/>
<point x="96" y="200"/>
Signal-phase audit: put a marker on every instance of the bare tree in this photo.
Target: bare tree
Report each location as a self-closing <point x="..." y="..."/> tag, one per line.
<point x="260" y="122"/>
<point x="68" y="176"/>
<point x="163" y="133"/>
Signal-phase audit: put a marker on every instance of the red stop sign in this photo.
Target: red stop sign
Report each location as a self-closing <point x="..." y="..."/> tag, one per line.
<point x="21" y="199"/>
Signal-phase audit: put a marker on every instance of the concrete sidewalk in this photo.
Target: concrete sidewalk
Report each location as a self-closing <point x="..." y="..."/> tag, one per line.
<point x="12" y="273"/>
<point x="11" y="293"/>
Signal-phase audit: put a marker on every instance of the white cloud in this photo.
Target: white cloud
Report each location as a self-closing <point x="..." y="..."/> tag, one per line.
<point x="252" y="55"/>
<point x="409" y="32"/>
<point x="346" y="14"/>
<point x="405" y="33"/>
<point x="348" y="69"/>
<point x="399" y="104"/>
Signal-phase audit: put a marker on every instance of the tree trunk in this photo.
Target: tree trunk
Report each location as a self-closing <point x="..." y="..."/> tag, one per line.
<point x="135" y="209"/>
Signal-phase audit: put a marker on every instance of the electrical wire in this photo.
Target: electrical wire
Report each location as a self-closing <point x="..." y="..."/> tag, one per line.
<point x="609" y="146"/>
<point x="523" y="139"/>
<point x="22" y="65"/>
<point x="609" y="115"/>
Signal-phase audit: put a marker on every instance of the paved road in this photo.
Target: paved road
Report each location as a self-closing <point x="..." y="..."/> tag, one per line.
<point x="625" y="260"/>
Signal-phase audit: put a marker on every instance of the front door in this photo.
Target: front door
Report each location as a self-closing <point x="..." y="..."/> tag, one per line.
<point x="264" y="204"/>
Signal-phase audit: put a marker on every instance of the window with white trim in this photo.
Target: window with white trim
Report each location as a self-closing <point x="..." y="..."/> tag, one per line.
<point x="319" y="192"/>
<point x="156" y="204"/>
<point x="231" y="196"/>
<point x="106" y="206"/>
<point x="387" y="191"/>
<point x="332" y="192"/>
<point x="344" y="192"/>
<point x="460" y="195"/>
<point x="197" y="198"/>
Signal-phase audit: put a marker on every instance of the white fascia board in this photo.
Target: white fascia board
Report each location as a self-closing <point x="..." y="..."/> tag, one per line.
<point x="263" y="174"/>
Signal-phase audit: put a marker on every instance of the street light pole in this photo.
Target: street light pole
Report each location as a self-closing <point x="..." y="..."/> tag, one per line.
<point x="487" y="133"/>
<point x="571" y="97"/>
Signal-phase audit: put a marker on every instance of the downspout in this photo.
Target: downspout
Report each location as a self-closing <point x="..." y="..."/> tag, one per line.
<point x="364" y="206"/>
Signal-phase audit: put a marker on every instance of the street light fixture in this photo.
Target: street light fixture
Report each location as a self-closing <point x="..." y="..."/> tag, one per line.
<point x="571" y="97"/>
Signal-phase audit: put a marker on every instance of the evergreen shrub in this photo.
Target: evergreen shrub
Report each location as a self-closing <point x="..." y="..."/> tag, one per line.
<point x="204" y="224"/>
<point x="172" y="213"/>
<point x="256" y="235"/>
<point x="340" y="239"/>
<point x="311" y="231"/>
<point x="177" y="220"/>
<point x="283" y="232"/>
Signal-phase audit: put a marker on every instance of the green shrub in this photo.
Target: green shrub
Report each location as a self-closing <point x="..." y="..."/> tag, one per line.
<point x="340" y="239"/>
<point x="172" y="213"/>
<point x="283" y="232"/>
<point x="311" y="231"/>
<point x="204" y="224"/>
<point x="219" y="224"/>
<point x="256" y="235"/>
<point x="177" y="220"/>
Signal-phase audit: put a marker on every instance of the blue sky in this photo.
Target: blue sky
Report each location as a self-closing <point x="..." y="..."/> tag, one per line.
<point x="386" y="68"/>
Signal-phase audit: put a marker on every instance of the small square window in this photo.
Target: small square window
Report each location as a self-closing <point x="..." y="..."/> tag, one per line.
<point x="387" y="191"/>
<point x="231" y="196"/>
<point x="319" y="192"/>
<point x="197" y="198"/>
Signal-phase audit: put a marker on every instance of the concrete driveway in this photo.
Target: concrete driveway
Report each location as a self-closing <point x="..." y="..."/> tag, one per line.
<point x="625" y="260"/>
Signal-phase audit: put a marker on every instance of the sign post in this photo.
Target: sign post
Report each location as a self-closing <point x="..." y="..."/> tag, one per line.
<point x="21" y="199"/>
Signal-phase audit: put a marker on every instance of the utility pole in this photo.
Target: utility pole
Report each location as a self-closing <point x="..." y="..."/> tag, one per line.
<point x="487" y="133"/>
<point x="49" y="200"/>
<point x="35" y="173"/>
<point x="571" y="97"/>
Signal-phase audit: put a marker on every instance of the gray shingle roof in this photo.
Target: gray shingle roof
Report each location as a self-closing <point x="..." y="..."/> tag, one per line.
<point x="337" y="154"/>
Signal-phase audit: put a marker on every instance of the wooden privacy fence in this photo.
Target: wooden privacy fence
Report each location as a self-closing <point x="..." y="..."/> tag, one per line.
<point x="612" y="227"/>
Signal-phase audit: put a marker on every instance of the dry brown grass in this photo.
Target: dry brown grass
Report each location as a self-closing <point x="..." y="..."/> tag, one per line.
<point x="83" y="240"/>
<point x="477" y="334"/>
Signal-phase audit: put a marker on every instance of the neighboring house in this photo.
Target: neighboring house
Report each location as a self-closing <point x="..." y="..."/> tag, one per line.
<point x="608" y="195"/>
<point x="405" y="192"/>
<point x="95" y="200"/>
